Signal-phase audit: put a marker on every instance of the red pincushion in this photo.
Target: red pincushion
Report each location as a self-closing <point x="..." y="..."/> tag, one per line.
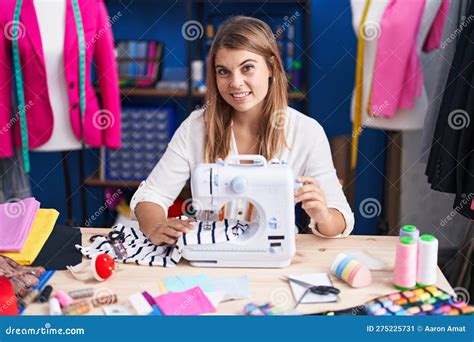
<point x="104" y="266"/>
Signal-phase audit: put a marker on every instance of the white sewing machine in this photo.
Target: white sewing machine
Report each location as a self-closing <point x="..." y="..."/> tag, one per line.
<point x="270" y="241"/>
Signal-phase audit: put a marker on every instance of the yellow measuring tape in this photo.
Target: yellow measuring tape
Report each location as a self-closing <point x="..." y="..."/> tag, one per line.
<point x="357" y="124"/>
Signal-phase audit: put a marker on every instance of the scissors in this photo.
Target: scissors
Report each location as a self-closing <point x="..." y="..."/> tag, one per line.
<point x="115" y="239"/>
<point x="316" y="289"/>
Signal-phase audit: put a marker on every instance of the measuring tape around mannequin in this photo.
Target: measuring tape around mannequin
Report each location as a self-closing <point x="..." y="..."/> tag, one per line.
<point x="19" y="76"/>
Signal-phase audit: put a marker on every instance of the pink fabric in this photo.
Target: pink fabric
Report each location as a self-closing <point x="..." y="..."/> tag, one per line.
<point x="16" y="220"/>
<point x="101" y="127"/>
<point x="189" y="302"/>
<point x="398" y="77"/>
<point x="433" y="40"/>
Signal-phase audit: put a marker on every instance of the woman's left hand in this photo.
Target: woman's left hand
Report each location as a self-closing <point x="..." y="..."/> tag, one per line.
<point x="313" y="200"/>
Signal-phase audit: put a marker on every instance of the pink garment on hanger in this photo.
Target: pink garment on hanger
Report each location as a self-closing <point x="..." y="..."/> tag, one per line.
<point x="101" y="124"/>
<point x="16" y="220"/>
<point x="398" y="76"/>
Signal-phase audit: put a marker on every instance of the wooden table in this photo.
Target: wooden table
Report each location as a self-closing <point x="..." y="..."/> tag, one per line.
<point x="313" y="255"/>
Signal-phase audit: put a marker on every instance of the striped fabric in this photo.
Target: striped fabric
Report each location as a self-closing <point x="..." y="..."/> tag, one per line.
<point x="142" y="252"/>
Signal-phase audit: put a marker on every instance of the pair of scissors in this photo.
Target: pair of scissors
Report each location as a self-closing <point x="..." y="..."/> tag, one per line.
<point x="316" y="289"/>
<point x="115" y="239"/>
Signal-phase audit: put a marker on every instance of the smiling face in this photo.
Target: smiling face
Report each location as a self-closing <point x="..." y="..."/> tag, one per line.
<point x="242" y="78"/>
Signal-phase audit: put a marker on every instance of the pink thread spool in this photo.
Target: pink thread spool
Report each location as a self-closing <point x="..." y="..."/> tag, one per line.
<point x="404" y="277"/>
<point x="63" y="298"/>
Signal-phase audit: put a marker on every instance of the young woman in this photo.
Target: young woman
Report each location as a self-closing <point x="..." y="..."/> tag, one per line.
<point x="246" y="112"/>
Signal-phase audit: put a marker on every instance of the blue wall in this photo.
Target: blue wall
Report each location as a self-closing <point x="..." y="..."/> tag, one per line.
<point x="334" y="50"/>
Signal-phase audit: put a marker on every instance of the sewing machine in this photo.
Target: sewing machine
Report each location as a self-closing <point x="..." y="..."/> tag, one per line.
<point x="270" y="240"/>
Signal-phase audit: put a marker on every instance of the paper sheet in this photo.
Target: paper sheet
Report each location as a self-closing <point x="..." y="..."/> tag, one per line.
<point x="234" y="288"/>
<point x="186" y="282"/>
<point x="190" y="302"/>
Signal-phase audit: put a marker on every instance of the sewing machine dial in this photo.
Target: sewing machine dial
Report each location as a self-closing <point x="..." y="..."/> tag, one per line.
<point x="239" y="184"/>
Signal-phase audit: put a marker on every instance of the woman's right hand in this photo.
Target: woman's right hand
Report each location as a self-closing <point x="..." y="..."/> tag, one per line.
<point x="170" y="231"/>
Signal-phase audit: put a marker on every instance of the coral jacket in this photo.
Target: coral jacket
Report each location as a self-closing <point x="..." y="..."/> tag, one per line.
<point x="102" y="125"/>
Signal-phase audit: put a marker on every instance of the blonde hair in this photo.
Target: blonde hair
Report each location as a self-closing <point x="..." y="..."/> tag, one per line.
<point x="253" y="35"/>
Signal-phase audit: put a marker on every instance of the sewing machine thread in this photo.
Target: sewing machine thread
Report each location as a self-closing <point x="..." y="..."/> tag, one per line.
<point x="104" y="300"/>
<point x="77" y="308"/>
<point x="83" y="293"/>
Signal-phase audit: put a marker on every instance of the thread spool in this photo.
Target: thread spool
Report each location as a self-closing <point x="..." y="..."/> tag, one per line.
<point x="410" y="230"/>
<point x="44" y="295"/>
<point x="404" y="277"/>
<point x="29" y="298"/>
<point x="427" y="260"/>
<point x="104" y="300"/>
<point x="54" y="307"/>
<point x="64" y="299"/>
<point x="83" y="293"/>
<point x="351" y="271"/>
<point x="77" y="308"/>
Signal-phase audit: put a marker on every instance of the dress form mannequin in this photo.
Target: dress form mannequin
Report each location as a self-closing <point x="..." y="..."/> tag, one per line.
<point x="22" y="55"/>
<point x="51" y="16"/>
<point x="404" y="119"/>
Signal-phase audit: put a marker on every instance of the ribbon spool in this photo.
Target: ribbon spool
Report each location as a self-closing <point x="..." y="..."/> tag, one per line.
<point x="351" y="271"/>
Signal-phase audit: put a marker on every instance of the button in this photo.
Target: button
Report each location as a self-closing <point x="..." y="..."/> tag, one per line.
<point x="276" y="249"/>
<point x="75" y="105"/>
<point x="273" y="223"/>
<point x="239" y="184"/>
<point x="71" y="85"/>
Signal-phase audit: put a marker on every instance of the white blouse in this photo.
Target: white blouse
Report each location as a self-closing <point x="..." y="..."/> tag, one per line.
<point x="308" y="154"/>
<point x="51" y="16"/>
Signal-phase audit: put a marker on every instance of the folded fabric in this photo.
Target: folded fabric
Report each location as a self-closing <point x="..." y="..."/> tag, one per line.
<point x="59" y="250"/>
<point x="42" y="227"/>
<point x="16" y="220"/>
<point x="190" y="302"/>
<point x="142" y="251"/>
